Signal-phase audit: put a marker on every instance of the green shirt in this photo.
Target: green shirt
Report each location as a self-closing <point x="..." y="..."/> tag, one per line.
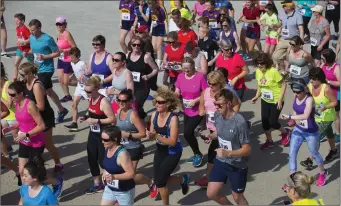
<point x="270" y="84"/>
<point x="270" y="20"/>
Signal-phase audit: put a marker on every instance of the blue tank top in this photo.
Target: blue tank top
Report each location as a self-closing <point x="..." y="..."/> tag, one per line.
<point x="165" y="131"/>
<point x="102" y="68"/>
<point x="140" y="19"/>
<point x="111" y="166"/>
<point x="127" y="126"/>
<point x="308" y="125"/>
<point x="230" y="37"/>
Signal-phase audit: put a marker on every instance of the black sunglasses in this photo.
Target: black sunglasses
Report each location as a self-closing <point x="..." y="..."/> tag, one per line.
<point x="224" y="25"/>
<point x="218" y="105"/>
<point x="227" y="49"/>
<point x="116" y="60"/>
<point x="136" y="45"/>
<point x="106" y="140"/>
<point x="211" y="84"/>
<point x="88" y="92"/>
<point x="59" y="24"/>
<point x="297" y="92"/>
<point x="12" y="95"/>
<point x="161" y="102"/>
<point x="122" y="100"/>
<point x="96" y="44"/>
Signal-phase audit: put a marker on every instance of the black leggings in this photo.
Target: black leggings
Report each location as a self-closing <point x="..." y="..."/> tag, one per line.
<point x="190" y="123"/>
<point x="334" y="16"/>
<point x="141" y="96"/>
<point x="96" y="151"/>
<point x="305" y="24"/>
<point x="270" y="115"/>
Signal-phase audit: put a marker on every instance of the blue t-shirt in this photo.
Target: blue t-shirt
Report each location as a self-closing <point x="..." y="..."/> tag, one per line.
<point x="43" y="45"/>
<point x="45" y="196"/>
<point x="220" y="3"/>
<point x="306" y="10"/>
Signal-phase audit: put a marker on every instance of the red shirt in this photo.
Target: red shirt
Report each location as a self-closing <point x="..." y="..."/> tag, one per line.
<point x="234" y="67"/>
<point x="188" y="36"/>
<point x="175" y="56"/>
<point x="23" y="33"/>
<point x="252" y="14"/>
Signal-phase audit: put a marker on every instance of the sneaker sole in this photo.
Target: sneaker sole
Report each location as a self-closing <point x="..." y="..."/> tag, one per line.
<point x="198" y="164"/>
<point x="99" y="191"/>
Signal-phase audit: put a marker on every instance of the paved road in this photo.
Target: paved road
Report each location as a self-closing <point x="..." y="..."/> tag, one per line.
<point x="267" y="170"/>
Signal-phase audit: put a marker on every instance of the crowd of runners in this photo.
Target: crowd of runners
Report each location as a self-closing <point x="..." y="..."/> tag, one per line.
<point x="205" y="61"/>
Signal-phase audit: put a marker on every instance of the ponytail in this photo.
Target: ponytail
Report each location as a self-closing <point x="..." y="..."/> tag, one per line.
<point x="36" y="168"/>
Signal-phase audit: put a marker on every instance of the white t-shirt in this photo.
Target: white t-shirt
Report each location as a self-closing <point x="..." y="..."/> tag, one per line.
<point x="172" y="26"/>
<point x="79" y="68"/>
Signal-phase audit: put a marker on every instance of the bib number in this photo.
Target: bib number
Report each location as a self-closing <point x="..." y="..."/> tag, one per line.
<point x="158" y="141"/>
<point x="205" y="54"/>
<point x="313" y="41"/>
<point x="95" y="128"/>
<point x="267" y="95"/>
<point x="304" y="124"/>
<point x="263" y="3"/>
<point x="101" y="76"/>
<point x="224" y="144"/>
<point x="330" y="7"/>
<point x="213" y="24"/>
<point x="186" y="103"/>
<point x="249" y="25"/>
<point x="318" y="112"/>
<point x="36" y="59"/>
<point x="154" y="23"/>
<point x="302" y="11"/>
<point x="136" y="76"/>
<point x="295" y="70"/>
<point x="61" y="57"/>
<point x="124" y="141"/>
<point x="285" y="33"/>
<point x="210" y="117"/>
<point x="125" y="16"/>
<point x="113" y="184"/>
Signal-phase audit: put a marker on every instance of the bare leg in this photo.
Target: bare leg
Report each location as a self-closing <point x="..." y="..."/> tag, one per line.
<point x="123" y="35"/>
<point x="3" y="37"/>
<point x="164" y="195"/>
<point x="213" y="191"/>
<point x="17" y="61"/>
<point x="239" y="198"/>
<point x="272" y="49"/>
<point x="268" y="135"/>
<point x="266" y="48"/>
<point x="75" y="102"/>
<point x="331" y="141"/>
<point x="55" y="99"/>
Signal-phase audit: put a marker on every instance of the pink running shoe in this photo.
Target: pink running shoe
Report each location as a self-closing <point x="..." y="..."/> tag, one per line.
<point x="322" y="179"/>
<point x="267" y="145"/>
<point x="286" y="137"/>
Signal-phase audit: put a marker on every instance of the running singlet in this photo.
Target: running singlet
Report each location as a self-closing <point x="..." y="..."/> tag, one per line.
<point x="127" y="126"/>
<point x="209" y="110"/>
<point x="269" y="83"/>
<point x="158" y="18"/>
<point x="4" y="97"/>
<point x="330" y="76"/>
<point x="213" y="18"/>
<point x="127" y="10"/>
<point x="62" y="43"/>
<point x="138" y="69"/>
<point x="96" y="113"/>
<point x="101" y="70"/>
<point x="308" y="125"/>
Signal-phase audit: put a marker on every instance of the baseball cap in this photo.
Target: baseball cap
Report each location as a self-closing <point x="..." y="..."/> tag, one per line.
<point x="297" y="86"/>
<point x="61" y="20"/>
<point x="317" y="8"/>
<point x="142" y="28"/>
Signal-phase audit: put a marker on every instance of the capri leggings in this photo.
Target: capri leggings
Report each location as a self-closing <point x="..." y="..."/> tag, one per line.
<point x="190" y="123"/>
<point x="334" y="16"/>
<point x="95" y="149"/>
<point x="270" y="115"/>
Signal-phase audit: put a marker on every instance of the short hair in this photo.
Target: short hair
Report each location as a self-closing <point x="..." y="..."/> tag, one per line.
<point x="114" y="133"/>
<point x="329" y="55"/>
<point x="128" y="93"/>
<point x="122" y="55"/>
<point x="217" y="77"/>
<point x="35" y="22"/>
<point x="226" y="94"/>
<point x="317" y="73"/>
<point x="99" y="38"/>
<point x="264" y="58"/>
<point x="18" y="87"/>
<point x="176" y="12"/>
<point x="94" y="81"/>
<point x="173" y="35"/>
<point x="223" y="43"/>
<point x="169" y="96"/>
<point x="132" y="40"/>
<point x="204" y="20"/>
<point x="20" y="16"/>
<point x="184" y="23"/>
<point x="75" y="51"/>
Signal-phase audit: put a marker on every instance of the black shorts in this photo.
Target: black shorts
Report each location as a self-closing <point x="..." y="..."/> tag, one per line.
<point x="136" y="154"/>
<point x="337" y="108"/>
<point x="126" y="25"/>
<point x="164" y="165"/>
<point x="222" y="171"/>
<point x="30" y="152"/>
<point x="317" y="54"/>
<point x="46" y="79"/>
<point x="159" y="30"/>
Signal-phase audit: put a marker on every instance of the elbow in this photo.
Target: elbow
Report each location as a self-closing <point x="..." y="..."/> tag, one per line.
<point x="42" y="127"/>
<point x="173" y="143"/>
<point x="41" y="108"/>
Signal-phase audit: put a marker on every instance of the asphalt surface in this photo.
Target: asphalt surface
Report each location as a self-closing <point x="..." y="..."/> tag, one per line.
<point x="268" y="170"/>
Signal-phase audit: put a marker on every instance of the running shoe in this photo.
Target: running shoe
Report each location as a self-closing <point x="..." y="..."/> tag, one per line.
<point x="58" y="169"/>
<point x="323" y="139"/>
<point x="72" y="127"/>
<point x="322" y="178"/>
<point x="337" y="138"/>
<point x="197" y="160"/>
<point x="94" y="189"/>
<point x="308" y="163"/>
<point x="331" y="156"/>
<point x="286" y="137"/>
<point x="4" y="54"/>
<point x="66" y="99"/>
<point x="202" y="182"/>
<point x="267" y="145"/>
<point x="19" y="180"/>
<point x="153" y="190"/>
<point x="57" y="189"/>
<point x="184" y="184"/>
<point x="61" y="115"/>
<point x="190" y="160"/>
<point x="291" y="123"/>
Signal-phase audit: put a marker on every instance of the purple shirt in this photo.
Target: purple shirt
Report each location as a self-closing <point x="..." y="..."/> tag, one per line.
<point x="212" y="16"/>
<point x="160" y="17"/>
<point x="127" y="10"/>
<point x="308" y="125"/>
<point x="191" y="89"/>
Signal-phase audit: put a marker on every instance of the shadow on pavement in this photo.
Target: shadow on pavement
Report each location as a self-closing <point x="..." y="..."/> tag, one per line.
<point x="11" y="198"/>
<point x="76" y="190"/>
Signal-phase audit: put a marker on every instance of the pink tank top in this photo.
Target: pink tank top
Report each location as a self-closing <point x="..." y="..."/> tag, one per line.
<point x="330" y="76"/>
<point x="26" y="124"/>
<point x="209" y="109"/>
<point x="62" y="43"/>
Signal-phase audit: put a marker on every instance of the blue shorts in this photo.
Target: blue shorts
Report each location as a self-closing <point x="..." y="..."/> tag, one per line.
<point x="29" y="57"/>
<point x="252" y="34"/>
<point x="222" y="171"/>
<point x="123" y="198"/>
<point x="65" y="66"/>
<point x="159" y="30"/>
<point x="126" y="25"/>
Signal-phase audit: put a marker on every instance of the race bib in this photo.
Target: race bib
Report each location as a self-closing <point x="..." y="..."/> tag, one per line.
<point x="101" y="76"/>
<point x="304" y="124"/>
<point x="318" y="112"/>
<point x="95" y="128"/>
<point x="213" y="24"/>
<point x="186" y="103"/>
<point x="158" y="141"/>
<point x="313" y="41"/>
<point x="302" y="11"/>
<point x="330" y="7"/>
<point x="21" y="40"/>
<point x="124" y="141"/>
<point x="125" y="16"/>
<point x="285" y="33"/>
<point x="267" y="95"/>
<point x="249" y="25"/>
<point x="210" y="117"/>
<point x="61" y="57"/>
<point x="36" y="59"/>
<point x="295" y="70"/>
<point x="263" y="3"/>
<point x="205" y="54"/>
<point x="136" y="76"/>
<point x="81" y="85"/>
<point x="224" y="144"/>
<point x="154" y="23"/>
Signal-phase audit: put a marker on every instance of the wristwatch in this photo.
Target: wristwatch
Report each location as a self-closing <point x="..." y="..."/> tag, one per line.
<point x="130" y="136"/>
<point x="27" y="135"/>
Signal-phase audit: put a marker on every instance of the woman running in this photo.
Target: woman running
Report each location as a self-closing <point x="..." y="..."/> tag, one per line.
<point x="127" y="9"/>
<point x="99" y="115"/>
<point x="133" y="130"/>
<point x="189" y="86"/>
<point x="213" y="15"/>
<point x="164" y="128"/>
<point x="331" y="69"/>
<point x="118" y="174"/>
<point x="230" y="34"/>
<point x="34" y="191"/>
<point x="271" y="88"/>
<point x="65" y="42"/>
<point x="142" y="12"/>
<point x="306" y="129"/>
<point x="333" y="15"/>
<point x="186" y="34"/>
<point x="142" y="67"/>
<point x="199" y="57"/>
<point x="304" y="8"/>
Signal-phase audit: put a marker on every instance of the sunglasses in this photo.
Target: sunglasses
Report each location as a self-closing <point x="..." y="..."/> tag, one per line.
<point x="297" y="92"/>
<point x="136" y="45"/>
<point x="171" y="42"/>
<point x="106" y="140"/>
<point x="211" y="84"/>
<point x="59" y="24"/>
<point x="88" y="92"/>
<point x="260" y="63"/>
<point x="22" y="74"/>
<point x="12" y="95"/>
<point x="161" y="102"/>
<point x="122" y="100"/>
<point x="227" y="49"/>
<point x="116" y="60"/>
<point x="218" y="105"/>
<point x="96" y="44"/>
<point x="224" y="25"/>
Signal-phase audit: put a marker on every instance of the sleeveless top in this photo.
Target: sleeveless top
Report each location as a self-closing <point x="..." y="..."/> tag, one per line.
<point x="62" y="43"/>
<point x="138" y="69"/>
<point x="111" y="166"/>
<point x="4" y="97"/>
<point x="197" y="60"/>
<point x="119" y="82"/>
<point x="127" y="126"/>
<point x="101" y="70"/>
<point x="26" y="124"/>
<point x="165" y="132"/>
<point x="96" y="113"/>
<point x="48" y="113"/>
<point x="230" y="37"/>
<point x="308" y="125"/>
<point x="320" y="101"/>
<point x="209" y="109"/>
<point x="330" y="76"/>
<point x="299" y="68"/>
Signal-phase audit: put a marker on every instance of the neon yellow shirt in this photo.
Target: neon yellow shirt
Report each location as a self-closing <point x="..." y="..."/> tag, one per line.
<point x="270" y="84"/>
<point x="185" y="13"/>
<point x="270" y="20"/>
<point x="306" y="202"/>
<point x="172" y="5"/>
<point x="4" y="97"/>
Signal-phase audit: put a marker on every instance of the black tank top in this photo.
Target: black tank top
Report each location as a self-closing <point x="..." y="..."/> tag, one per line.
<point x="138" y="69"/>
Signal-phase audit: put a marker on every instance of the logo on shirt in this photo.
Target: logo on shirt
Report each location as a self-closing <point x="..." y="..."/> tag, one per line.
<point x="262" y="81"/>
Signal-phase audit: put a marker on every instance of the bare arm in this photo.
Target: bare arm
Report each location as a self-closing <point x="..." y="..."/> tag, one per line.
<point x="106" y="108"/>
<point x="4" y="110"/>
<point x="125" y="162"/>
<point x="326" y="37"/>
<point x="88" y="70"/>
<point x="202" y="104"/>
<point x="130" y="81"/>
<point x="71" y="41"/>
<point x="307" y="110"/>
<point x="337" y="75"/>
<point x="33" y="110"/>
<point x="149" y="60"/>
<point x="110" y="65"/>
<point x="330" y="95"/>
<point x="236" y="37"/>
<point x="174" y="133"/>
<point x="137" y="122"/>
<point x="39" y="93"/>
<point x="301" y="29"/>
<point x="203" y="65"/>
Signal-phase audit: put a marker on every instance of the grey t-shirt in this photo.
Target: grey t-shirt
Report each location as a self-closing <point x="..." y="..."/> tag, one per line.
<point x="232" y="134"/>
<point x="291" y="23"/>
<point x="317" y="31"/>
